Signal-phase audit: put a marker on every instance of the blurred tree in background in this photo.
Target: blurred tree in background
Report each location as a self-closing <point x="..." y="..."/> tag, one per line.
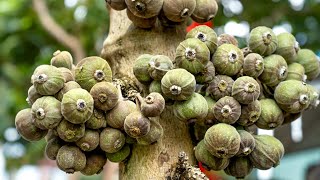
<point x="25" y="44"/>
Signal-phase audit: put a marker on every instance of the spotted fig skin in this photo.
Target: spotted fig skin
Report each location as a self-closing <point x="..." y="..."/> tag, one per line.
<point x="263" y="41"/>
<point x="52" y="148"/>
<point x="111" y="140"/>
<point x="222" y="140"/>
<point x="206" y="35"/>
<point x="67" y="74"/>
<point x="227" y="110"/>
<point x="71" y="159"/>
<point x="94" y="164"/>
<point x="26" y="128"/>
<point x="292" y="96"/>
<point x="119" y="156"/>
<point x="250" y="113"/>
<point x="105" y="95"/>
<point x="239" y="167"/>
<point x="97" y="120"/>
<point x="159" y="65"/>
<point x="70" y="132"/>
<point x="271" y="115"/>
<point x="267" y="153"/>
<point x="208" y="160"/>
<point x="152" y="105"/>
<point x="245" y="90"/>
<point x="220" y="86"/>
<point x="89" y="141"/>
<point x="136" y="125"/>
<point x="247" y="143"/>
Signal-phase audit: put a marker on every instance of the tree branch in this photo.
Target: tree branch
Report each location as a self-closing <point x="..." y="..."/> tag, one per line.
<point x="55" y="30"/>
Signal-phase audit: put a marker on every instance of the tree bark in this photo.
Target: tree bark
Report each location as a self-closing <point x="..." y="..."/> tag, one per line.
<point x="123" y="45"/>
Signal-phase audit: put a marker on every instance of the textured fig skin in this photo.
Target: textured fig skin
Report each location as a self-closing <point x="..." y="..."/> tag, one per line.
<point x="116" y="117"/>
<point x="239" y="167"/>
<point x="245" y="90"/>
<point x="144" y="8"/>
<point x="53" y="147"/>
<point x="267" y="153"/>
<point x="105" y="95"/>
<point x="97" y="120"/>
<point x="207" y="159"/>
<point x="308" y="59"/>
<point x="207" y="75"/>
<point x="222" y="140"/>
<point x="155" y="134"/>
<point x="71" y="159"/>
<point x="144" y="23"/>
<point x="136" y="125"/>
<point x="287" y="47"/>
<point x="119" y="156"/>
<point x="89" y="141"/>
<point x="111" y="140"/>
<point x="70" y="132"/>
<point x="206" y="35"/>
<point x="205" y="10"/>
<point x="62" y="59"/>
<point x="220" y="86"/>
<point x="271" y="115"/>
<point x="67" y="74"/>
<point x="117" y="4"/>
<point x="247" y="143"/>
<point x="227" y="110"/>
<point x="94" y="164"/>
<point x="152" y="105"/>
<point x="227" y="39"/>
<point x="250" y="113"/>
<point x="67" y="87"/>
<point x="263" y="41"/>
<point x="33" y="95"/>
<point x="178" y="10"/>
<point x="253" y="65"/>
<point x="140" y="68"/>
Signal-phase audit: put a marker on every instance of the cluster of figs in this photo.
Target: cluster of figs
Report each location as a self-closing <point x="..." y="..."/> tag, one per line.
<point x="83" y="116"/>
<point x="222" y="91"/>
<point x="144" y="13"/>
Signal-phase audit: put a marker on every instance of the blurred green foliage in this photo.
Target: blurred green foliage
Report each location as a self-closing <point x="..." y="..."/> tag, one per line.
<point x="24" y="44"/>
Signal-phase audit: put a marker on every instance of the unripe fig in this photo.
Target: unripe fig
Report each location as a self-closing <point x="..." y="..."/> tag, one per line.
<point x="275" y="70"/>
<point x="209" y="119"/>
<point x="92" y="70"/>
<point x="200" y="130"/>
<point x="253" y="65"/>
<point x="208" y="160"/>
<point x="89" y="141"/>
<point x="140" y="22"/>
<point x="296" y="72"/>
<point x="71" y="159"/>
<point x="155" y="86"/>
<point x="97" y="120"/>
<point x="136" y="125"/>
<point x="178" y="10"/>
<point x="271" y="115"/>
<point x="155" y="134"/>
<point x="239" y="167"/>
<point x="53" y="147"/>
<point x="111" y="140"/>
<point x="292" y="96"/>
<point x="245" y="90"/>
<point x="140" y="68"/>
<point x="287" y="47"/>
<point x="159" y="65"/>
<point x="94" y="164"/>
<point x="250" y="113"/>
<point x="117" y="4"/>
<point x="105" y="95"/>
<point x="205" y="10"/>
<point x="120" y="155"/>
<point x="26" y="128"/>
<point x="67" y="87"/>
<point x="228" y="59"/>
<point x="247" y="143"/>
<point x="227" y="110"/>
<point x="77" y="106"/>
<point x="152" y="105"/>
<point x="207" y="75"/>
<point x="46" y="112"/>
<point x="263" y="41"/>
<point x="70" y="132"/>
<point x="47" y="79"/>
<point x="206" y="35"/>
<point x="33" y="95"/>
<point x="222" y="140"/>
<point x="195" y="108"/>
<point x="309" y="60"/>
<point x="178" y="84"/>
<point x="227" y="39"/>
<point x="144" y="8"/>
<point x="62" y="59"/>
<point x="314" y="96"/>
<point x="267" y="153"/>
<point x="192" y="55"/>
<point x="221" y="86"/>
<point x="67" y="74"/>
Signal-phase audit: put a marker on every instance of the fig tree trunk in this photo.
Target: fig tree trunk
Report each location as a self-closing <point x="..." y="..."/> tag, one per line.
<point x="123" y="45"/>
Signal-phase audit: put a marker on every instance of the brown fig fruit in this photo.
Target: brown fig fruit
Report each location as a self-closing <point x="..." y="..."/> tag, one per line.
<point x="208" y="160"/>
<point x="227" y="110"/>
<point x="70" y="132"/>
<point x="117" y="4"/>
<point x="239" y="167"/>
<point x="267" y="153"/>
<point x="52" y="133"/>
<point x="152" y="105"/>
<point x="144" y="23"/>
<point x="97" y="120"/>
<point x="67" y="87"/>
<point x="62" y="59"/>
<point x="220" y="86"/>
<point x="92" y="70"/>
<point x="89" y="141"/>
<point x="53" y="147"/>
<point x="250" y="113"/>
<point x="71" y="159"/>
<point x="222" y="140"/>
<point x="245" y="90"/>
<point x="94" y="164"/>
<point x="205" y="34"/>
<point x="205" y="10"/>
<point x="46" y="112"/>
<point x="207" y="75"/>
<point x="271" y="115"/>
<point x="33" y="95"/>
<point x="227" y="39"/>
<point x="178" y="10"/>
<point x="120" y="155"/>
<point x="111" y="140"/>
<point x="136" y="125"/>
<point x="247" y="143"/>
<point x="253" y="65"/>
<point x="144" y="8"/>
<point x="26" y="128"/>
<point x="105" y="95"/>
<point x="155" y="134"/>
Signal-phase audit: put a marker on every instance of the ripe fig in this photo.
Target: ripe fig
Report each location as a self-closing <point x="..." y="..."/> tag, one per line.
<point x="89" y="141"/>
<point x="94" y="164"/>
<point x="227" y="110"/>
<point x="105" y="95"/>
<point x="178" y="10"/>
<point x="111" y="140"/>
<point x="245" y="90"/>
<point x="70" y="132"/>
<point x="71" y="159"/>
<point x="220" y="86"/>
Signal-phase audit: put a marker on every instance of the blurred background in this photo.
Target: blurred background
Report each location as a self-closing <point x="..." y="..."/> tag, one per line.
<point x="31" y="31"/>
